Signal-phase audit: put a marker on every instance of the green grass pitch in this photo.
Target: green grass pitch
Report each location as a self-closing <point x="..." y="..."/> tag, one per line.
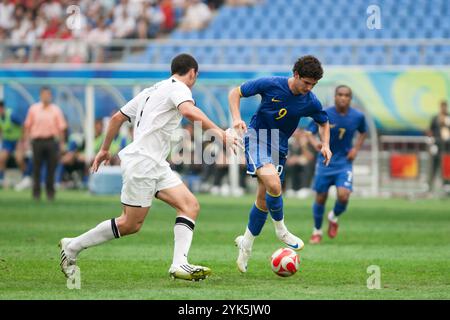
<point x="409" y="241"/>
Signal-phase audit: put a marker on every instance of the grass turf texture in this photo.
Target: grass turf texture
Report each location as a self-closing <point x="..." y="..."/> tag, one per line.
<point x="408" y="240"/>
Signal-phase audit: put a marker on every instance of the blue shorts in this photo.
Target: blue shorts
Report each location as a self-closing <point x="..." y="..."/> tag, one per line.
<point x="256" y="159"/>
<point x="341" y="179"/>
<point x="9" y="145"/>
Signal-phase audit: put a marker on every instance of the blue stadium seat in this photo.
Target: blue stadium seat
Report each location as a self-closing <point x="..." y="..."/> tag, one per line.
<point x="321" y="19"/>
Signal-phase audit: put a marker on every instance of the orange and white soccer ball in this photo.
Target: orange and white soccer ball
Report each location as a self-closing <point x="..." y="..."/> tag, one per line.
<point x="285" y="262"/>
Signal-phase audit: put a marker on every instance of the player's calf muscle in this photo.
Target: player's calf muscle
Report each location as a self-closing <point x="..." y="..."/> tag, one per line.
<point x="127" y="227"/>
<point x="131" y="220"/>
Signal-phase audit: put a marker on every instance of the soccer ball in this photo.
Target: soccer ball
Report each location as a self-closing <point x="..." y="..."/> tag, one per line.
<point x="285" y="262"/>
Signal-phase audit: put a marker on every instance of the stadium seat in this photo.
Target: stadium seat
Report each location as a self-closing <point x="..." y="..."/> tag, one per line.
<point x="413" y="20"/>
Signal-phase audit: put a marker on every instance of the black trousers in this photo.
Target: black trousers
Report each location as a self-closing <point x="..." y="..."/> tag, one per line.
<point x="44" y="151"/>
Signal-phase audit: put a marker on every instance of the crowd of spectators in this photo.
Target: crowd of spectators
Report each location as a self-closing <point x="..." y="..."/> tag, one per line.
<point x="95" y="23"/>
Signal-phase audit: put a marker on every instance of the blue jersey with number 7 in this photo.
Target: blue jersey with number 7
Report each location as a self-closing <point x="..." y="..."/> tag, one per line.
<point x="342" y="131"/>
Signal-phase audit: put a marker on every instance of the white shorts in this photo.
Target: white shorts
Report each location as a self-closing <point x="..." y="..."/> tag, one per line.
<point x="142" y="178"/>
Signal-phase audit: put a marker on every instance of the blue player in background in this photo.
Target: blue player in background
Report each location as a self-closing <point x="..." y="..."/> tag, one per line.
<point x="284" y="101"/>
<point x="345" y="121"/>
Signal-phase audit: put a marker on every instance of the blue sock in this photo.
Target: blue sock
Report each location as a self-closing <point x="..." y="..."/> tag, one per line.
<point x="275" y="206"/>
<point x="256" y="220"/>
<point x="28" y="168"/>
<point x="318" y="210"/>
<point x="2" y="175"/>
<point x="339" y="208"/>
<point x="59" y="173"/>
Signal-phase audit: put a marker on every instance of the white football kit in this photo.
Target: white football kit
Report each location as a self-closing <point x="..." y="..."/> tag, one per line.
<point x="155" y="113"/>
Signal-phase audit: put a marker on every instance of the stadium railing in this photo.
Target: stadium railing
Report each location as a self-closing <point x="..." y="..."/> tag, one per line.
<point x="233" y="51"/>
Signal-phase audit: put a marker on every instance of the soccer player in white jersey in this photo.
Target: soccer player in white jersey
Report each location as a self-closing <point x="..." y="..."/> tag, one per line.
<point x="156" y="112"/>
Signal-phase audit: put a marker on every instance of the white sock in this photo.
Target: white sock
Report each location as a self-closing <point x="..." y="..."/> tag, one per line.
<point x="317" y="231"/>
<point x="332" y="217"/>
<point x="280" y="227"/>
<point x="247" y="241"/>
<point x="183" y="231"/>
<point x="103" y="232"/>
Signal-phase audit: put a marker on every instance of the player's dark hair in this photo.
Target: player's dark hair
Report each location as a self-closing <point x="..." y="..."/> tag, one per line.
<point x="182" y="63"/>
<point x="343" y="86"/>
<point x="45" y="88"/>
<point x="308" y="67"/>
<point x="2" y="104"/>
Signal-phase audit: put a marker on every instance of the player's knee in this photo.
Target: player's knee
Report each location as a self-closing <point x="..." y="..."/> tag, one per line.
<point x="321" y="199"/>
<point x="343" y="198"/>
<point x="191" y="208"/>
<point x="274" y="187"/>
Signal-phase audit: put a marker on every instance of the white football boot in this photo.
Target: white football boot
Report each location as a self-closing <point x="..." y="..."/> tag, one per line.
<point x="291" y="241"/>
<point x="67" y="263"/>
<point x="243" y="256"/>
<point x="189" y="272"/>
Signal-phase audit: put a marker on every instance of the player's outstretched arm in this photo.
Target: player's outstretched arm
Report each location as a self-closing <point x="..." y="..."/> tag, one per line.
<point x="113" y="129"/>
<point x="324" y="133"/>
<point x="193" y="113"/>
<point x="359" y="142"/>
<point x="234" y="101"/>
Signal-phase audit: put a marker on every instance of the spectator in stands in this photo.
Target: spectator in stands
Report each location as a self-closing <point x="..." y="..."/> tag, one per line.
<point x="99" y="38"/>
<point x="131" y="9"/>
<point x="124" y="25"/>
<point x="6" y="14"/>
<point x="168" y="11"/>
<point x="440" y="131"/>
<point x="300" y="165"/>
<point x="154" y="17"/>
<point x="197" y="16"/>
<point x="44" y="127"/>
<point x="19" y="37"/>
<point x="52" y="9"/>
<point x="52" y="50"/>
<point x="11" y="133"/>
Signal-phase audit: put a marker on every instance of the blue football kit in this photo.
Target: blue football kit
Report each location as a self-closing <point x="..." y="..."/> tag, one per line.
<point x="277" y="117"/>
<point x="339" y="172"/>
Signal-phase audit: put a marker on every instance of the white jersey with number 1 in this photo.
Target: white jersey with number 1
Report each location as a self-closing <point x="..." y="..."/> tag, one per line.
<point x="145" y="170"/>
<point x="156" y="116"/>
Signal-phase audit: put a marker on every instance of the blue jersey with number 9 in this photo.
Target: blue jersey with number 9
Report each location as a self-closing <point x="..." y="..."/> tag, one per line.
<point x="280" y="109"/>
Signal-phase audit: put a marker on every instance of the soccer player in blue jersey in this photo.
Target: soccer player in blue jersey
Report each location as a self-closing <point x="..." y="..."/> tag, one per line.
<point x="283" y="102"/>
<point x="345" y="121"/>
